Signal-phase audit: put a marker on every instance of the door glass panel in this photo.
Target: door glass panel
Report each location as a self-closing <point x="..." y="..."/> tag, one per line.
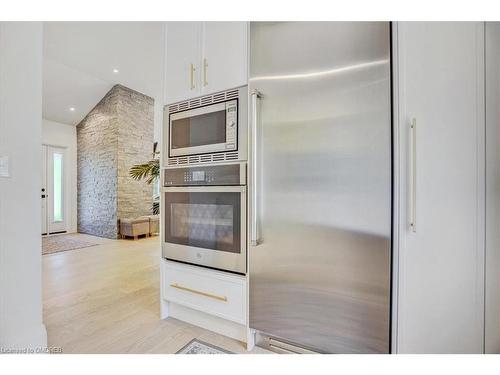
<point x="206" y="220"/>
<point x="201" y="130"/>
<point x="58" y="187"/>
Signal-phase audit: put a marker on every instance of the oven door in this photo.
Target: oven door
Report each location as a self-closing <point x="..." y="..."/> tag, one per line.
<point x="206" y="226"/>
<point x="202" y="130"/>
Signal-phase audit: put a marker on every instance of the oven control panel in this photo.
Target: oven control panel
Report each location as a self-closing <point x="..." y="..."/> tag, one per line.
<point x="227" y="174"/>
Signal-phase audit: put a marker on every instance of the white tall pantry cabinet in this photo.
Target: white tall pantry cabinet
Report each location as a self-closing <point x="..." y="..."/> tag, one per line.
<point x="440" y="186"/>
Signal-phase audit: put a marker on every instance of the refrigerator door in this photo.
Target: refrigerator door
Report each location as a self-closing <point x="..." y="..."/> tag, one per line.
<point x="320" y="276"/>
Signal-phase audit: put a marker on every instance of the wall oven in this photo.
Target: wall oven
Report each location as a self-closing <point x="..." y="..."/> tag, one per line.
<point x="208" y="129"/>
<point x="204" y="216"/>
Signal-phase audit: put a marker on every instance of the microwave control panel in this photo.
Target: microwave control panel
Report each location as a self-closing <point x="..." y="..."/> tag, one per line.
<point x="231" y="124"/>
<point x="228" y="174"/>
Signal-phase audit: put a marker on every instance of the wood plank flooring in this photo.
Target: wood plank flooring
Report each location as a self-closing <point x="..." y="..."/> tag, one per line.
<point x="105" y="299"/>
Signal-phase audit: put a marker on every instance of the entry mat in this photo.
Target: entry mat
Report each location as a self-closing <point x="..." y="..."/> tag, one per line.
<point x="199" y="347"/>
<point x="64" y="242"/>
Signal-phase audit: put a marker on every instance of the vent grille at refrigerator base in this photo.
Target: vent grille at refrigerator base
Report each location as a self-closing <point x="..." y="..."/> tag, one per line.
<point x="279" y="346"/>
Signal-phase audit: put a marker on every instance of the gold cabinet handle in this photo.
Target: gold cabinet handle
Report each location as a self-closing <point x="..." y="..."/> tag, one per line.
<point x="192" y="70"/>
<point x="205" y="67"/>
<point x="209" y="295"/>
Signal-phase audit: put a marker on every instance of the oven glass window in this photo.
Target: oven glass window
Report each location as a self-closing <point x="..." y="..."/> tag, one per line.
<point x="208" y="220"/>
<point x="201" y="130"/>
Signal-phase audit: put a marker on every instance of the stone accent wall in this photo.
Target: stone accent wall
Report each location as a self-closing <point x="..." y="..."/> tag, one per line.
<point x="135" y="146"/>
<point x="115" y="135"/>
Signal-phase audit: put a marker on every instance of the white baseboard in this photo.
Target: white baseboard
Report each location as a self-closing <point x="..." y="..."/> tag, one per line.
<point x="209" y="322"/>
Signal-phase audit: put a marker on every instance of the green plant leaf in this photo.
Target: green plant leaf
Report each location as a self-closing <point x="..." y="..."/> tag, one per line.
<point x="149" y="171"/>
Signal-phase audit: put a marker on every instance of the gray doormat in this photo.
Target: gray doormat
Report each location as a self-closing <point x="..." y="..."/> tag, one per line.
<point x="63" y="242"/>
<point x="199" y="347"/>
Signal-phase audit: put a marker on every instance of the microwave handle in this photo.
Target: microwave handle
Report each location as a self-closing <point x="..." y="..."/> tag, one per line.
<point x="254" y="222"/>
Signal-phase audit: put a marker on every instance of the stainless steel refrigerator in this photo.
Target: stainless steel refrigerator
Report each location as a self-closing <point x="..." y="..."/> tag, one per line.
<point x="320" y="195"/>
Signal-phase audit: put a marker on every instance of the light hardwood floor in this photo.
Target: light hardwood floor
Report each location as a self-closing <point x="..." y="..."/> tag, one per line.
<point x="105" y="299"/>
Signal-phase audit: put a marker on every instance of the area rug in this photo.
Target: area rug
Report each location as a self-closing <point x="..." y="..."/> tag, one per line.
<point x="63" y="242"/>
<point x="199" y="347"/>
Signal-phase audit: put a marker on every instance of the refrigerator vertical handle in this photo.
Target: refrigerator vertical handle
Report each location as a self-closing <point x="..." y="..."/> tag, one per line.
<point x="254" y="222"/>
<point x="413" y="176"/>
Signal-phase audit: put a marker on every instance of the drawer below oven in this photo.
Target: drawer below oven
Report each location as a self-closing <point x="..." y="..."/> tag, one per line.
<point x="212" y="292"/>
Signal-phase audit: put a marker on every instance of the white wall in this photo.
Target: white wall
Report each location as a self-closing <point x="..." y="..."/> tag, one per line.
<point x="160" y="96"/>
<point x="63" y="135"/>
<point x="21" y="323"/>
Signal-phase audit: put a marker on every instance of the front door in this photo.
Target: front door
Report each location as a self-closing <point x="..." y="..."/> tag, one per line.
<point x="44" y="190"/>
<point x="53" y="190"/>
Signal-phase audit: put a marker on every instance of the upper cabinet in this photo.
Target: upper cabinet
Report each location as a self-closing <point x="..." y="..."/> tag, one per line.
<point x="205" y="57"/>
<point x="225" y="55"/>
<point x="182" y="78"/>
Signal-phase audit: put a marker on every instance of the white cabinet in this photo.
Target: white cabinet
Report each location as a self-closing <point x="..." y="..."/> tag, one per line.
<point x="439" y="82"/>
<point x="204" y="57"/>
<point x="213" y="292"/>
<point x="183" y="54"/>
<point x="225" y="51"/>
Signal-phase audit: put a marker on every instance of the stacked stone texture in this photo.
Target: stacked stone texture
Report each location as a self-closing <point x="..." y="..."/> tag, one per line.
<point x="115" y="135"/>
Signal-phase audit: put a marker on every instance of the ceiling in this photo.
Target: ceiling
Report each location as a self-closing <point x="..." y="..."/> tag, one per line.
<point x="79" y="59"/>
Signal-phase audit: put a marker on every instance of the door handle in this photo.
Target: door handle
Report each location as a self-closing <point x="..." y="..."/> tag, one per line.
<point x="205" y="67"/>
<point x="255" y="224"/>
<point x="192" y="70"/>
<point x="43" y="195"/>
<point x="413" y="176"/>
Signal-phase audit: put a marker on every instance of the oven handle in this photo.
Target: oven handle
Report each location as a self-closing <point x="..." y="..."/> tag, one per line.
<point x="255" y="239"/>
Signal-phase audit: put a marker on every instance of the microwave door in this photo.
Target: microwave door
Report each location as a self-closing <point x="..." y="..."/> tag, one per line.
<point x="203" y="130"/>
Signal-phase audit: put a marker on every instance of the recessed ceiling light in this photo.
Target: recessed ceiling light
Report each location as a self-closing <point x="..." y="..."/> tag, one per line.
<point x="115" y="70"/>
<point x="72" y="109"/>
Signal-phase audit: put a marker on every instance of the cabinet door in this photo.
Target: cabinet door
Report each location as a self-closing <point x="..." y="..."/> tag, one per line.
<point x="441" y="273"/>
<point x="225" y="54"/>
<point x="183" y="47"/>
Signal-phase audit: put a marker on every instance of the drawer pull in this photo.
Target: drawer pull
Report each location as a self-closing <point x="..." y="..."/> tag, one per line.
<point x="177" y="286"/>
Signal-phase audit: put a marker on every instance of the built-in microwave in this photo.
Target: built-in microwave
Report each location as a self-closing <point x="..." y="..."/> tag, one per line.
<point x="207" y="129"/>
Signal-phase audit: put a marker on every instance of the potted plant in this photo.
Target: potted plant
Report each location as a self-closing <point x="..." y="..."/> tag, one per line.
<point x="149" y="171"/>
